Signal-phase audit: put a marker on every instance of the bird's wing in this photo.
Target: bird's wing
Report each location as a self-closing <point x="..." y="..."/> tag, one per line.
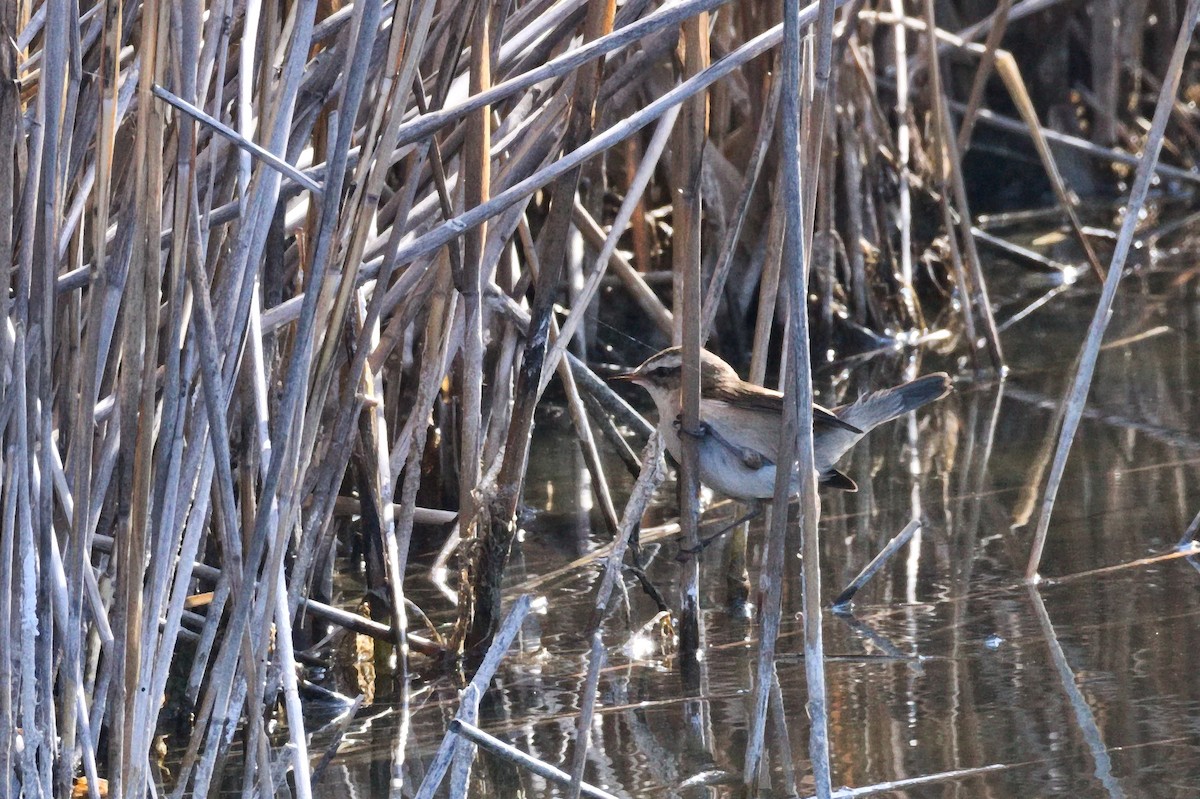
<point x="756" y="429"/>
<point x="764" y="399"/>
<point x="825" y="418"/>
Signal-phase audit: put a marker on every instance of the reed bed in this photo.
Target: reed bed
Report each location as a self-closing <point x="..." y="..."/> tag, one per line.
<point x="291" y="280"/>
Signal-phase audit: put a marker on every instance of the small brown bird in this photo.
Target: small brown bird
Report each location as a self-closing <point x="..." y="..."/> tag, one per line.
<point x="740" y="423"/>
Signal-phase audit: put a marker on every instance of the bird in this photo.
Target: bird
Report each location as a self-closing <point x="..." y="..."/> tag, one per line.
<point x="740" y="431"/>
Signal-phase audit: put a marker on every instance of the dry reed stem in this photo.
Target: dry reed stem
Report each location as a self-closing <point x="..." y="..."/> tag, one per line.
<point x="800" y="377"/>
<point x="587" y="709"/>
<point x="951" y="177"/>
<point x="587" y="441"/>
<point x="1006" y="67"/>
<point x="716" y="285"/>
<point x="686" y="169"/>
<point x="510" y="753"/>
<point x="982" y="72"/>
<point x="478" y="615"/>
<point x="453" y="747"/>
<point x="904" y="154"/>
<point x="797" y="443"/>
<point x="474" y="520"/>
<point x="842" y="602"/>
<point x="1076" y="397"/>
<point x="199" y="335"/>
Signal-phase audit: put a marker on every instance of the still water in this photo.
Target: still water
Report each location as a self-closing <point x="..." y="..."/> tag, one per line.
<point x="950" y="668"/>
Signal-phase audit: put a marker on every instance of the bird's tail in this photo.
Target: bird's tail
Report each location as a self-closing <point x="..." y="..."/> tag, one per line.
<point x="874" y="409"/>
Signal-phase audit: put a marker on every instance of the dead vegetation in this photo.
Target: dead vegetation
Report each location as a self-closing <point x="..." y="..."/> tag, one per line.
<point x="283" y="276"/>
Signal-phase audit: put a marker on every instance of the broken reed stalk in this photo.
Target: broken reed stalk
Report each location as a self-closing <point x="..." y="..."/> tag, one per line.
<point x="468" y="710"/>
<point x="982" y="71"/>
<point x="587" y="709"/>
<point x="1006" y="67"/>
<point x="519" y="758"/>
<point x="342" y="726"/>
<point x="652" y="474"/>
<point x="1076" y="396"/>
<point x="842" y="603"/>
<point x="768" y="288"/>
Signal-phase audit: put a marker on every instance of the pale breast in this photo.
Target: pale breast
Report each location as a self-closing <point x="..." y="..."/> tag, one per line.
<point x="722" y="468"/>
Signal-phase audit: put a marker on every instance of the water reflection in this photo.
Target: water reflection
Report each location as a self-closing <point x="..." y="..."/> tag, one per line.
<point x="950" y="670"/>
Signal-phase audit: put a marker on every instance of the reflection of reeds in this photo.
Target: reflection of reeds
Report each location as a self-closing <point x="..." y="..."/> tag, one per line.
<point x="281" y="278"/>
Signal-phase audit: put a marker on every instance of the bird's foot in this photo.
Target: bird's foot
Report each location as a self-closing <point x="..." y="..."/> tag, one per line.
<point x="686" y="553"/>
<point x="700" y="431"/>
<point x="753" y="510"/>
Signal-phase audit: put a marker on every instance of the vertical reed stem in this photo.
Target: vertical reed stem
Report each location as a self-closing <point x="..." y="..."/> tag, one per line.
<point x="686" y="205"/>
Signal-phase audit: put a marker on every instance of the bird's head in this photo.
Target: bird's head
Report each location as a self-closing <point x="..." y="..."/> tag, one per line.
<point x="662" y="374"/>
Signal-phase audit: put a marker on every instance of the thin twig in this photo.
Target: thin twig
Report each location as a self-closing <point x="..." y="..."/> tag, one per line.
<point x="514" y="755"/>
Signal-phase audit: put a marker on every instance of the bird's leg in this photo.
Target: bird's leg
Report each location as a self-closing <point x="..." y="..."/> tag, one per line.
<point x="751" y="459"/>
<point x="754" y="509"/>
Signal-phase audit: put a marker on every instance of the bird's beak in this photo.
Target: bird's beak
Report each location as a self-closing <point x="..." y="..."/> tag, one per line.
<point x="625" y="377"/>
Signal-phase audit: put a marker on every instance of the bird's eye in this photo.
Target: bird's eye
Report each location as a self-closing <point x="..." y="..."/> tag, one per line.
<point x="661" y="371"/>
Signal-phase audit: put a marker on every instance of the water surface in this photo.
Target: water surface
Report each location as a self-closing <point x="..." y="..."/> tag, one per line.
<point x="1082" y="687"/>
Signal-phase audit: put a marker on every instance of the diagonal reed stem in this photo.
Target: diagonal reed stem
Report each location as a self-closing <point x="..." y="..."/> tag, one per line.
<point x="1076" y="396"/>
